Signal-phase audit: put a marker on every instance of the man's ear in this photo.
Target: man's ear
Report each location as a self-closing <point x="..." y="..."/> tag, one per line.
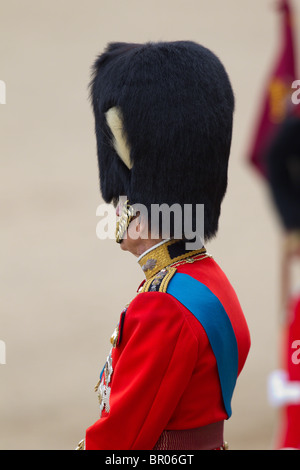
<point x="143" y="226"/>
<point x="135" y="227"/>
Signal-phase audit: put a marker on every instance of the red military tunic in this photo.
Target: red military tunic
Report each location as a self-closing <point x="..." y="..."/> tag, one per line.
<point x="161" y="373"/>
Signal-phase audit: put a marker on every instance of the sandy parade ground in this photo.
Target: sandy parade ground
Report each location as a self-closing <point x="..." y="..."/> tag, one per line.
<point x="62" y="289"/>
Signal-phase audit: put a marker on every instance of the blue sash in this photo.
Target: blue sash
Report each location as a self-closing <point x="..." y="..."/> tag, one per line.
<point x="209" y="311"/>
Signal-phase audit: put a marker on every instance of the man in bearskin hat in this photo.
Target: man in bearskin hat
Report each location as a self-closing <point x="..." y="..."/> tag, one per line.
<point x="284" y="178"/>
<point x="163" y="120"/>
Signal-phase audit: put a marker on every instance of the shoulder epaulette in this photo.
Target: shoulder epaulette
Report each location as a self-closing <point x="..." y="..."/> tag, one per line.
<point x="159" y="282"/>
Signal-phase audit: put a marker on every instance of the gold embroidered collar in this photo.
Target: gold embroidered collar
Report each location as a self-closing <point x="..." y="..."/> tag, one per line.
<point x="164" y="254"/>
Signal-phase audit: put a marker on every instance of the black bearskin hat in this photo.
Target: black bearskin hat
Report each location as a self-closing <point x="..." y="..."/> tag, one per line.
<point x="163" y="119"/>
<point x="284" y="172"/>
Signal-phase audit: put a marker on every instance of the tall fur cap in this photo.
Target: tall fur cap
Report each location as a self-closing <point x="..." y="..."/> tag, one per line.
<point x="177" y="106"/>
<point x="283" y="163"/>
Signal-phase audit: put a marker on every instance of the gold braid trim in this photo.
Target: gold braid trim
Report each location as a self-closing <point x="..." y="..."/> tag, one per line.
<point x="164" y="283"/>
<point x="159" y="282"/>
<point x="159" y="257"/>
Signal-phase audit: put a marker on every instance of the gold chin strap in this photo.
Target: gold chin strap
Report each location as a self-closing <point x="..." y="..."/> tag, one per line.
<point x="124" y="221"/>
